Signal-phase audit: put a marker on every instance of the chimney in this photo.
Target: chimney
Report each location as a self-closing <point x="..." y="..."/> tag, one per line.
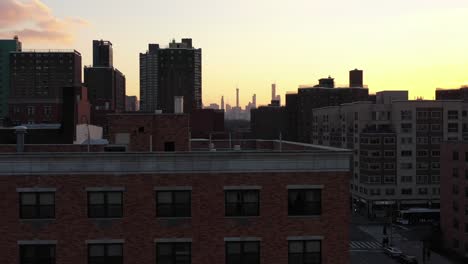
<point x="20" y="131"/>
<point x="178" y="104"/>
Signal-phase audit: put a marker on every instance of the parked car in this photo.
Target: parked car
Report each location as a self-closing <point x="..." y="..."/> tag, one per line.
<point x="406" y="259"/>
<point x="392" y="251"/>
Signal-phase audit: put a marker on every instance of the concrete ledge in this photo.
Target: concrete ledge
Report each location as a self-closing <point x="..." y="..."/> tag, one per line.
<point x="35" y="189"/>
<point x="105" y="189"/>
<point x="172" y="240"/>
<point x="243" y="187"/>
<point x="37" y="242"/>
<point x="105" y="241"/>
<point x="239" y="239"/>
<point x="292" y="238"/>
<point x="305" y="186"/>
<point x="213" y="163"/>
<point x="173" y="188"/>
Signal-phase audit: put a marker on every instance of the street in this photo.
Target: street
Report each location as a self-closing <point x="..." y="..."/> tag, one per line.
<point x="366" y="239"/>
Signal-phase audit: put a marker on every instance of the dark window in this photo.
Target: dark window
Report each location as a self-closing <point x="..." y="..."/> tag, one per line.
<point x="37" y="254"/>
<point x="305" y="252"/>
<point x="107" y="204"/>
<point x="242" y="252"/>
<point x="37" y="205"/>
<point x="105" y="254"/>
<point x="242" y="202"/>
<point x="173" y="204"/>
<point x="173" y="253"/>
<point x="455" y="172"/>
<point x="455" y="155"/>
<point x="305" y="202"/>
<point x="169" y="146"/>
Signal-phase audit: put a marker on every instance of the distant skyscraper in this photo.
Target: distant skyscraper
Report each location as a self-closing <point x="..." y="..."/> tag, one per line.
<point x="355" y="78"/>
<point x="254" y="101"/>
<point x="273" y="92"/>
<point x="131" y="103"/>
<point x="6" y="46"/>
<point x="237" y="97"/>
<point x="102" y="53"/>
<point x="170" y="72"/>
<point x="222" y="102"/>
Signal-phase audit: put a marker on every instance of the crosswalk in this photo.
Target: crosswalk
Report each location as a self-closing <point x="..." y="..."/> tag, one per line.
<point x="364" y="245"/>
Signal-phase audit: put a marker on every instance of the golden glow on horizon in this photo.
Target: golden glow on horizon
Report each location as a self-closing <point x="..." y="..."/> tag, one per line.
<point x="400" y="45"/>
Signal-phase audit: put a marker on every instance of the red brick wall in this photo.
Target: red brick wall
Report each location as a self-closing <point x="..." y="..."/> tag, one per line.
<point x="207" y="227"/>
<point x="162" y="128"/>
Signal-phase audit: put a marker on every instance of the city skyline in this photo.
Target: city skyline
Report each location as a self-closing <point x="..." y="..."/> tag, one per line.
<point x="259" y="43"/>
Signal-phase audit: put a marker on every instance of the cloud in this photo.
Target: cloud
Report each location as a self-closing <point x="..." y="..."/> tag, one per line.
<point x="32" y="20"/>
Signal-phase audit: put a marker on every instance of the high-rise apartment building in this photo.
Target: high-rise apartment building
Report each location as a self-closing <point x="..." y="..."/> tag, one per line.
<point x="169" y="72"/>
<point x="102" y="53"/>
<point x="397" y="146"/>
<point x="105" y="83"/>
<point x="37" y="80"/>
<point x="6" y="46"/>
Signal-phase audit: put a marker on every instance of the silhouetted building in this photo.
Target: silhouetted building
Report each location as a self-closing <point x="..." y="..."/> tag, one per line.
<point x="326" y="82"/>
<point x="37" y="80"/>
<point x="166" y="73"/>
<point x="131" y="104"/>
<point x="105" y="83"/>
<point x="268" y="122"/>
<point x="6" y="46"/>
<point x="452" y="94"/>
<point x="102" y="53"/>
<point x="74" y="110"/>
<point x="356" y="78"/>
<point x="204" y="122"/>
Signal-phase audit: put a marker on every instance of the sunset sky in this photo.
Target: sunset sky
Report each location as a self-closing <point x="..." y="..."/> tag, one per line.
<point x="415" y="45"/>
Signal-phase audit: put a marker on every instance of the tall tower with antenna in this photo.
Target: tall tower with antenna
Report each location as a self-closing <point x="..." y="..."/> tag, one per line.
<point x="222" y="102"/>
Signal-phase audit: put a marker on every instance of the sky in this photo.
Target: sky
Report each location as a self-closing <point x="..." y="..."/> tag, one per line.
<point x="415" y="45"/>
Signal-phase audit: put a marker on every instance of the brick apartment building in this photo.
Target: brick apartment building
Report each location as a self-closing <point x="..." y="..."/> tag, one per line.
<point x="37" y="80"/>
<point x="454" y="196"/>
<point x="179" y="207"/>
<point x="397" y="146"/>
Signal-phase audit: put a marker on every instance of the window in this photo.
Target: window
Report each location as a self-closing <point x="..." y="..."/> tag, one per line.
<point x="242" y="202"/>
<point x="37" y="205"/>
<point x="389" y="140"/>
<point x="105" y="253"/>
<point x="435" y="153"/>
<point x="305" y="252"/>
<point x="406" y="140"/>
<point x="455" y="155"/>
<point x="455" y="172"/>
<point x="452" y="114"/>
<point x="453" y="127"/>
<point x="174" y="203"/>
<point x="455" y="189"/>
<point x="456" y="224"/>
<point x="174" y="253"/>
<point x="406" y="115"/>
<point x="105" y="204"/>
<point x="374" y="141"/>
<point x="435" y="140"/>
<point x="406" y="191"/>
<point x="390" y="191"/>
<point x="243" y="252"/>
<point x="37" y="254"/>
<point x="305" y="202"/>
<point x="389" y="166"/>
<point x="421" y="153"/>
<point x="422" y="190"/>
<point x="389" y="153"/>
<point x="406" y="153"/>
<point x="47" y="110"/>
<point x="421" y="140"/>
<point x="30" y="110"/>
<point x="435" y="127"/>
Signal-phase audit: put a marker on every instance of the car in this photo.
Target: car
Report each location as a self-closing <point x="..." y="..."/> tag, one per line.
<point x="392" y="251"/>
<point x="406" y="259"/>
